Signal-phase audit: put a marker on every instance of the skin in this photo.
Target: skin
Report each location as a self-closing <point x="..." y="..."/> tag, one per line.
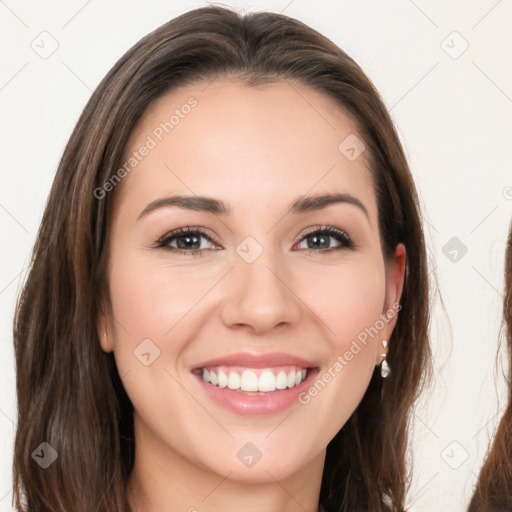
<point x="257" y="149"/>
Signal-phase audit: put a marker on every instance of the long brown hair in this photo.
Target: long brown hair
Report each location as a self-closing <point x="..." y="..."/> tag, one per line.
<point x="69" y="392"/>
<point x="493" y="491"/>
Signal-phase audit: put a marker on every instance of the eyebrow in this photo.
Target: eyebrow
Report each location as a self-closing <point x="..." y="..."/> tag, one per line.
<point x="302" y="204"/>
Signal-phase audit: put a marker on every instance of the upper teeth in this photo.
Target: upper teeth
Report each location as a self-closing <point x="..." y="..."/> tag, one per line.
<point x="248" y="380"/>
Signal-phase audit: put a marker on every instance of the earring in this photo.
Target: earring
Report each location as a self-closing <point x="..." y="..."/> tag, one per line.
<point x="385" y="370"/>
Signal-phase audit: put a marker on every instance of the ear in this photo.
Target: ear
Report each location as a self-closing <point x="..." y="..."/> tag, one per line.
<point x="395" y="275"/>
<point x="105" y="332"/>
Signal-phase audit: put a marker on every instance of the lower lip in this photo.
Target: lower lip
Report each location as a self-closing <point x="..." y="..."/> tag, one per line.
<point x="269" y="403"/>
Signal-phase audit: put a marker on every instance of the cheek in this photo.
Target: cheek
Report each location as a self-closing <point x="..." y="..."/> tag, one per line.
<point x="149" y="298"/>
<point x="348" y="299"/>
<point x="349" y="308"/>
<point x="155" y="307"/>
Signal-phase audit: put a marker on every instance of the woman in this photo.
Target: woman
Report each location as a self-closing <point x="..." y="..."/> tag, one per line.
<point x="493" y="492"/>
<point x="225" y="378"/>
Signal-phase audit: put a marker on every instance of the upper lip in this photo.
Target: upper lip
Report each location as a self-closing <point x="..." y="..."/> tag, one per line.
<point x="256" y="360"/>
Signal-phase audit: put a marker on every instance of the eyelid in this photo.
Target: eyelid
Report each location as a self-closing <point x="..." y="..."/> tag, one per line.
<point x="325" y="227"/>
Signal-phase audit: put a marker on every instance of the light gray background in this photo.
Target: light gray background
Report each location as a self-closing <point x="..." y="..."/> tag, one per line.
<point x="454" y="116"/>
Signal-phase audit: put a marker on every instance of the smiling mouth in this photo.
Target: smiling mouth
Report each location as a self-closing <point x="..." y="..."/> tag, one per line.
<point x="253" y="381"/>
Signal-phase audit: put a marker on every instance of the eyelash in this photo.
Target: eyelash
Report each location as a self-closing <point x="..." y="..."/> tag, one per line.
<point x="345" y="241"/>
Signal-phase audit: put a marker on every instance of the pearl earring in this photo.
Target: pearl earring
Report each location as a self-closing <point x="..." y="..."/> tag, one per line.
<point x="385" y="370"/>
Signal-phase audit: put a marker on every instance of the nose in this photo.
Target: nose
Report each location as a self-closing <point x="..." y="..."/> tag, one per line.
<point x="260" y="295"/>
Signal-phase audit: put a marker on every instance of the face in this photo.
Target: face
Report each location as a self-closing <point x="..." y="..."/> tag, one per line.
<point x="283" y="309"/>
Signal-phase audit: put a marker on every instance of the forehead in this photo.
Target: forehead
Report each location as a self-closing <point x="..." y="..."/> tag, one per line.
<point x="246" y="145"/>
